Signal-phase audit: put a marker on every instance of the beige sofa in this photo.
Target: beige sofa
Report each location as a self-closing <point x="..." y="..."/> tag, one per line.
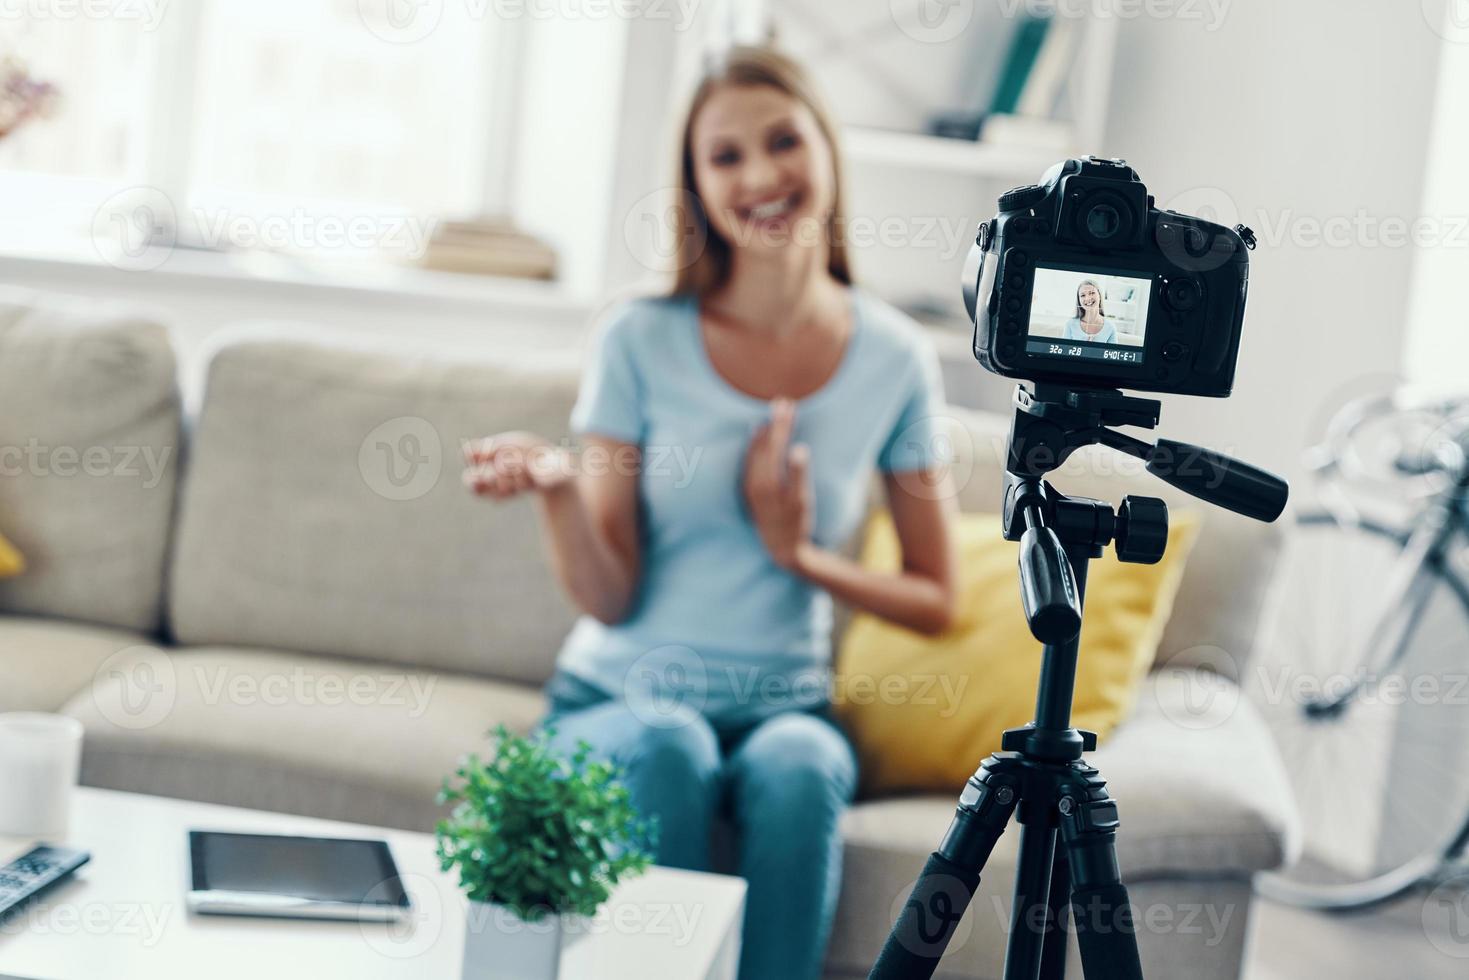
<point x="289" y="602"/>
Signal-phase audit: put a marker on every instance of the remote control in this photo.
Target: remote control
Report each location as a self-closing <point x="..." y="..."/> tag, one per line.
<point x="35" y="871"/>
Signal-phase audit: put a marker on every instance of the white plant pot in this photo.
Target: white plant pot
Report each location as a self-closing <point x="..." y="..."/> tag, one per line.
<point x="500" y="945"/>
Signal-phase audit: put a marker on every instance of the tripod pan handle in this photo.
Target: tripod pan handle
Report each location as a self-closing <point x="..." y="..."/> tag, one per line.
<point x="1219" y="480"/>
<point x="1048" y="587"/>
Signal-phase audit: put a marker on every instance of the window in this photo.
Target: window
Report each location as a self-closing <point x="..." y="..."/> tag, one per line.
<point x="281" y="111"/>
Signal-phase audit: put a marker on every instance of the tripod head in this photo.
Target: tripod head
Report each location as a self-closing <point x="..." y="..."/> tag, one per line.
<point x="1050" y="424"/>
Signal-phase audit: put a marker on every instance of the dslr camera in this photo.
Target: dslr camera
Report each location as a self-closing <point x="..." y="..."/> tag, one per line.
<point x="1080" y="281"/>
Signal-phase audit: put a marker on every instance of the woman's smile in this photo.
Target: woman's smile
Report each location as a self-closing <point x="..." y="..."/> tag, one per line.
<point x="772" y="209"/>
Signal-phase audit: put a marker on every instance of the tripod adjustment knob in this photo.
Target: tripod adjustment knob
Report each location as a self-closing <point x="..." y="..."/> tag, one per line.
<point x="1142" y="529"/>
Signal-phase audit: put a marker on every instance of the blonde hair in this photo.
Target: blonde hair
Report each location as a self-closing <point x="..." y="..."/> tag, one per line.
<point x="703" y="257"/>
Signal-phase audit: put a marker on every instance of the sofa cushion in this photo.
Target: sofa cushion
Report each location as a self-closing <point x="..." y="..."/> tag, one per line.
<point x="344" y="739"/>
<point x="1217" y="611"/>
<point x="324" y="512"/>
<point x="44" y="662"/>
<point x="1201" y="793"/>
<point x="967" y="686"/>
<point x="89" y="438"/>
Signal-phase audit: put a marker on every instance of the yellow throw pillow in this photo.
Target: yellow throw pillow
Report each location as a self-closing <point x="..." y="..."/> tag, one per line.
<point x="924" y="711"/>
<point x="12" y="563"/>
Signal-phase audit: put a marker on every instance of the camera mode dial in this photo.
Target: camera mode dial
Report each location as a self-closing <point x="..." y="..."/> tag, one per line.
<point x="1022" y="198"/>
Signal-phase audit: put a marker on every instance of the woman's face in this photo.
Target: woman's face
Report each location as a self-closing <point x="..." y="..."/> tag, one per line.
<point x="762" y="168"/>
<point x="1088" y="297"/>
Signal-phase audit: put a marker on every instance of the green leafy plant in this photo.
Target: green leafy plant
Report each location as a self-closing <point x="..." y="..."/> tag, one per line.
<point x="538" y="832"/>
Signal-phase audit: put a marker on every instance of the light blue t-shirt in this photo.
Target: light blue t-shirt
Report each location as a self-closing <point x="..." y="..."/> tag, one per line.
<point x="1106" y="335"/>
<point x="716" y="624"/>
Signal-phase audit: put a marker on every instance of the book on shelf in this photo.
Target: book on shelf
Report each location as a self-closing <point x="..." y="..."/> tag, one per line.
<point x="1041" y="90"/>
<point x="1025" y="48"/>
<point x="1037" y="63"/>
<point x="488" y="247"/>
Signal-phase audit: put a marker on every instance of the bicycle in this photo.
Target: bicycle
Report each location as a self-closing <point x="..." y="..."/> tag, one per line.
<point x="1365" y="676"/>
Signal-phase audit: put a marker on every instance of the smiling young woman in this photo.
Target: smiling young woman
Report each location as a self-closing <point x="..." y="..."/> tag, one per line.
<point x="702" y="663"/>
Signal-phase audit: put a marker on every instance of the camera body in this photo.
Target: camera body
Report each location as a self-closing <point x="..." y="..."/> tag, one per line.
<point x="1080" y="281"/>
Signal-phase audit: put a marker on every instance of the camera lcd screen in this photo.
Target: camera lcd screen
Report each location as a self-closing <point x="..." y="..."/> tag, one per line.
<point x="1090" y="315"/>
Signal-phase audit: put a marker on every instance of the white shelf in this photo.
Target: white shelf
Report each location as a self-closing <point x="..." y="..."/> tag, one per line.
<point x="962" y="157"/>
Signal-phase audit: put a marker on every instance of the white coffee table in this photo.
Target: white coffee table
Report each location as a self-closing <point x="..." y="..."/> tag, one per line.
<point x="123" y="915"/>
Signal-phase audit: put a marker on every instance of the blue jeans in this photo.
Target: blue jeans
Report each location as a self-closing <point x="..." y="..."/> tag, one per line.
<point x="784" y="784"/>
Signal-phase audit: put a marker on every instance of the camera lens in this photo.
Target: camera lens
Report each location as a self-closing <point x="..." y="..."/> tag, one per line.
<point x="1103" y="221"/>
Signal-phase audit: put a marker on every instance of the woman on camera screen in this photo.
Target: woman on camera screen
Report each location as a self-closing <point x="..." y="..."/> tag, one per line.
<point x="729" y="432"/>
<point x="1090" y="321"/>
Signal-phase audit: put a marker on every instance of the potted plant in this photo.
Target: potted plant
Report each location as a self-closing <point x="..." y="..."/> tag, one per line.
<point x="537" y="839"/>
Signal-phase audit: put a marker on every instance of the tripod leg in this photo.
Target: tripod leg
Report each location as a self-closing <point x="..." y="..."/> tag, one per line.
<point x="1105" y="931"/>
<point x="943" y="891"/>
<point x="1053" y="956"/>
<point x="1031" y="913"/>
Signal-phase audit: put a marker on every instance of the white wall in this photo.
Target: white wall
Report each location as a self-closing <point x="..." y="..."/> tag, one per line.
<point x="1290" y="113"/>
<point x="1438" y="315"/>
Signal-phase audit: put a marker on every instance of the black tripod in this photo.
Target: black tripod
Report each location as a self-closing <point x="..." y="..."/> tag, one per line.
<point x="1039" y="776"/>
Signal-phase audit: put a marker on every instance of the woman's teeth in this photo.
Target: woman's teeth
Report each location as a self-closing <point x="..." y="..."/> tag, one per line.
<point x="773" y="209"/>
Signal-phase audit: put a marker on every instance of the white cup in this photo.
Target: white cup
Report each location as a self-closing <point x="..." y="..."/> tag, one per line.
<point x="39" y="758"/>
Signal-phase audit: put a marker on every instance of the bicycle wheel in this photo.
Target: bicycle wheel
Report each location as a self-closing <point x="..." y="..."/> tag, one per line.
<point x="1376" y="746"/>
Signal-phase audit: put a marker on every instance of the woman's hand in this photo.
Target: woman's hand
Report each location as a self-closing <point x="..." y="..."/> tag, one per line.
<point x="777" y="486"/>
<point x="511" y="463"/>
